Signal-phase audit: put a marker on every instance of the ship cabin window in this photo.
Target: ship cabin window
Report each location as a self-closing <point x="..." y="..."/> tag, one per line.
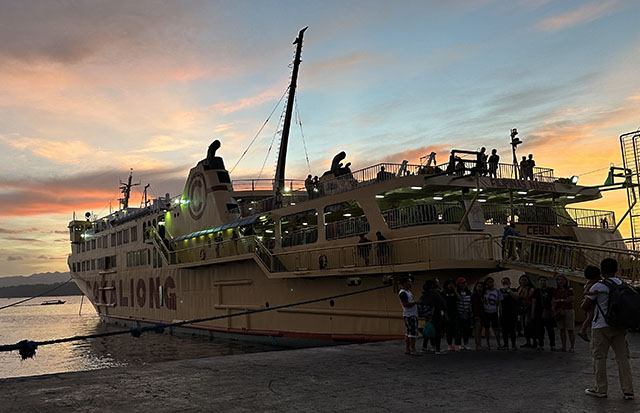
<point x="346" y="219"/>
<point x="113" y="239"/>
<point x="144" y="230"/>
<point x="73" y="267"/>
<point x="104" y="242"/>
<point x="93" y="264"/>
<point x="134" y="234"/>
<point x="82" y="265"/>
<point x="264" y="229"/>
<point x="125" y="236"/>
<point x="411" y="206"/>
<point x="119" y="236"/>
<point x="93" y="244"/>
<point x="99" y="242"/>
<point x="84" y="246"/>
<point x="223" y="177"/>
<point x="299" y="229"/>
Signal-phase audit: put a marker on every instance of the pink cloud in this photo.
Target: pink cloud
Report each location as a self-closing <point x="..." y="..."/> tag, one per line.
<point x="584" y="14"/>
<point x="233" y="106"/>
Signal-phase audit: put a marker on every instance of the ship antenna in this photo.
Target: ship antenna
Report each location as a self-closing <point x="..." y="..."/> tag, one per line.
<point x="284" y="141"/>
<point x="125" y="188"/>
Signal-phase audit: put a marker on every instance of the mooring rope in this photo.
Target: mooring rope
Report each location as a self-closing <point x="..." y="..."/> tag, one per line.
<point x="36" y="296"/>
<point x="27" y="348"/>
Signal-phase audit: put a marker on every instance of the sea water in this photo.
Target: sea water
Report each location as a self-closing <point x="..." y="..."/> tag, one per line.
<point x="33" y="321"/>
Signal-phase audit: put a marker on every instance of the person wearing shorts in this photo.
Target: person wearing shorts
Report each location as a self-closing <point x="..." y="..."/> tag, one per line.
<point x="564" y="313"/>
<point x="410" y="316"/>
<point x="492" y="302"/>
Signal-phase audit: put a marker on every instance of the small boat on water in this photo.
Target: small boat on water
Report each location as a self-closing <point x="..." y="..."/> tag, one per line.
<point x="52" y="302"/>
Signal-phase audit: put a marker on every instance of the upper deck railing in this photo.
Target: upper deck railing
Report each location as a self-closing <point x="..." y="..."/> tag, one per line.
<point x="265" y="184"/>
<point x="296" y="192"/>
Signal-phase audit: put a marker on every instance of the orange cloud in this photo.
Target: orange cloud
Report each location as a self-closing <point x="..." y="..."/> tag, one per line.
<point x="229" y="107"/>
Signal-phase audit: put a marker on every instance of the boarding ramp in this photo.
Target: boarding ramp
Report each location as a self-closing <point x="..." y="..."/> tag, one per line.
<point x="558" y="257"/>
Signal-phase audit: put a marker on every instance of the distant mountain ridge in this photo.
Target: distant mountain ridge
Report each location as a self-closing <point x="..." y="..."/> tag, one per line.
<point x="41" y="278"/>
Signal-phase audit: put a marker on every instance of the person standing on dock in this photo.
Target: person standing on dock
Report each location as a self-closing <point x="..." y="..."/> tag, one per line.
<point x="542" y="313"/>
<point x="604" y="336"/>
<point x="410" y="316"/>
<point x="492" y="301"/>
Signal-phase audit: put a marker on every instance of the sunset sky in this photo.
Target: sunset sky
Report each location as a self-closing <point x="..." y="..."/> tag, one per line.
<point x="89" y="89"/>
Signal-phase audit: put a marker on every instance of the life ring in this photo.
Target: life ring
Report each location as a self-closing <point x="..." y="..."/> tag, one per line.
<point x="322" y="261"/>
<point x="203" y="254"/>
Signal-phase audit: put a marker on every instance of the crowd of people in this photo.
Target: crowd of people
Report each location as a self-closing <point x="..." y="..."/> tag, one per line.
<point x="494" y="317"/>
<point x="499" y="315"/>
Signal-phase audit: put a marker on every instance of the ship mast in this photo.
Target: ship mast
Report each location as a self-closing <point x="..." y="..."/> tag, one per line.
<point x="125" y="188"/>
<point x="284" y="141"/>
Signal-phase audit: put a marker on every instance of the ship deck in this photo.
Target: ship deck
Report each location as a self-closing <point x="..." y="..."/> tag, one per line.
<point x="376" y="377"/>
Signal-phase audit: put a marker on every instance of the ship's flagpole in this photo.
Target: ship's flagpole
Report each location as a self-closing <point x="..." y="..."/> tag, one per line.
<point x="284" y="141"/>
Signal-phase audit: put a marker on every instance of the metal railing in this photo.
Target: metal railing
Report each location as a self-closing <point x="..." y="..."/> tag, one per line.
<point x="567" y="257"/>
<point x="421" y="214"/>
<point x="265" y="184"/>
<point x="308" y="235"/>
<point x="446" y="248"/>
<point x="499" y="214"/>
<point x="504" y="170"/>
<point x="347" y="228"/>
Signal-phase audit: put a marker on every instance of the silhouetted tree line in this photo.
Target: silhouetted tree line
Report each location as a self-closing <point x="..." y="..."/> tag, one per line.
<point x="35" y="289"/>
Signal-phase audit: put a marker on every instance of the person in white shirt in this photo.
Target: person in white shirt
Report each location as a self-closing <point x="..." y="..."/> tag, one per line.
<point x="604" y="336"/>
<point x="410" y="316"/>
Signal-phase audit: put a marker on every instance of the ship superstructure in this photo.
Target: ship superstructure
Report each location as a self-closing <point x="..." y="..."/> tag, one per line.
<point x="225" y="246"/>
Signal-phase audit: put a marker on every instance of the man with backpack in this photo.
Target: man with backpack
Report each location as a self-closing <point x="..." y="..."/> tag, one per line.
<point x="613" y="302"/>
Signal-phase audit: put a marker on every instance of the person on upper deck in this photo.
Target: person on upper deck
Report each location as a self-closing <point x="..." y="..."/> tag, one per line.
<point x="308" y="185"/>
<point x="382" y="248"/>
<point x="530" y="165"/>
<point x="460" y="166"/>
<point x="494" y="160"/>
<point x="524" y="168"/>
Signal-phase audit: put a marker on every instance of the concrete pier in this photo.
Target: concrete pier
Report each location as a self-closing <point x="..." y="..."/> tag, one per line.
<point x="375" y="377"/>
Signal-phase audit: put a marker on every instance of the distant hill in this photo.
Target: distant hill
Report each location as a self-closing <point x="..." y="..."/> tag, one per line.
<point x="42" y="278"/>
<point x="37" y="289"/>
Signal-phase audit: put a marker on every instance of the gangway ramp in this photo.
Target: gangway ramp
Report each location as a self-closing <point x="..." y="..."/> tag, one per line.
<point x="550" y="257"/>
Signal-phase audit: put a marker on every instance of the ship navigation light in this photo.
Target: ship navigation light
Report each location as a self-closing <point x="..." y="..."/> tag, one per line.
<point x="574" y="179"/>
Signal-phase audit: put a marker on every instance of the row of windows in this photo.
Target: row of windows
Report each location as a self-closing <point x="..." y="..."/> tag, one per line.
<point x="137" y="258"/>
<point x="103" y="263"/>
<point x="117" y="238"/>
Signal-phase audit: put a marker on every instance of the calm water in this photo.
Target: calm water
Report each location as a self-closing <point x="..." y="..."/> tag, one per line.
<point x="37" y="322"/>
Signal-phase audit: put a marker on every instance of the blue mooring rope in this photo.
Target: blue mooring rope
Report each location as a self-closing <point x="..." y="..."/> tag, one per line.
<point x="27" y="348"/>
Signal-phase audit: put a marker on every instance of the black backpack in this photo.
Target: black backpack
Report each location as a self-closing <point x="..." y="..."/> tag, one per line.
<point x="624" y="306"/>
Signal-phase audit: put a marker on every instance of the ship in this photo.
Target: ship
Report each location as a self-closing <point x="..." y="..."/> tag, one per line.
<point x="224" y="247"/>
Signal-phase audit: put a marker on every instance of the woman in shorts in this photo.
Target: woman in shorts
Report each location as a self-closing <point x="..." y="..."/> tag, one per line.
<point x="564" y="313"/>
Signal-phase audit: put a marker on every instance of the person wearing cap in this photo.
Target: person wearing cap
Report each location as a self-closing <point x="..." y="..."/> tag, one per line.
<point x="464" y="309"/>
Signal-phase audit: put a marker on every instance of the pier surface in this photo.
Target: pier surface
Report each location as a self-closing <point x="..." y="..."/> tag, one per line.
<point x="375" y="377"/>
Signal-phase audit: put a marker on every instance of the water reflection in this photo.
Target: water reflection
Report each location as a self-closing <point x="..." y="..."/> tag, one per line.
<point x="37" y="322"/>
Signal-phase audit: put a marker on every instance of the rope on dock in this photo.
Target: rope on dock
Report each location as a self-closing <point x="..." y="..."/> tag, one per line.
<point x="27" y="348"/>
<point x="36" y="296"/>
